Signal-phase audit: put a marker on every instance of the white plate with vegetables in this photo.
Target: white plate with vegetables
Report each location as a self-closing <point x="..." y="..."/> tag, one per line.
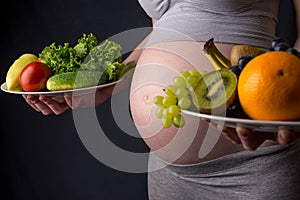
<point x="256" y="125"/>
<point x="78" y="91"/>
<point x="60" y="69"/>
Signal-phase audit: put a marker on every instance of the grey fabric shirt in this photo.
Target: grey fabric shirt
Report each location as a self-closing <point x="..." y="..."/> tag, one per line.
<point x="229" y="21"/>
<point x="268" y="173"/>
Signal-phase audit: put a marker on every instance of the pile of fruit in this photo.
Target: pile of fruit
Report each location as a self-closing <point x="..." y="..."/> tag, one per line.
<point x="252" y="83"/>
<point x="178" y="96"/>
<point x="63" y="67"/>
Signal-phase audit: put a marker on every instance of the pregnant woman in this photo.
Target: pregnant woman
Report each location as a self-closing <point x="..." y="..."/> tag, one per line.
<point x="177" y="169"/>
<point x="228" y="172"/>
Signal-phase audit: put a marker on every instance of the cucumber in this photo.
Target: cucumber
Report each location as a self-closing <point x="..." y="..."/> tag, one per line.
<point x="73" y="80"/>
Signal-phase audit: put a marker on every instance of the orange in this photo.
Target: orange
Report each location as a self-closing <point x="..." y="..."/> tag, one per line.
<point x="269" y="87"/>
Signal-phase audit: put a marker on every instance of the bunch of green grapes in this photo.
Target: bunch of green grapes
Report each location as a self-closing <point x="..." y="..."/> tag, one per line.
<point x="178" y="96"/>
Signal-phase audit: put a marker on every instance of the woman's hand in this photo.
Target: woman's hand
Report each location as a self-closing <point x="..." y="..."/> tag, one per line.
<point x="251" y="140"/>
<point x="58" y="105"/>
<point x="47" y="105"/>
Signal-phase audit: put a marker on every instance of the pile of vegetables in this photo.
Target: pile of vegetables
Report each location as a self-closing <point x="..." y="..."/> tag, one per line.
<point x="94" y="63"/>
<point x="85" y="55"/>
<point x="64" y="58"/>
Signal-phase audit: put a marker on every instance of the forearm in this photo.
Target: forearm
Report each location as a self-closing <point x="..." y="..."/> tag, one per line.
<point x="297" y="20"/>
<point x="135" y="54"/>
<point x="297" y="44"/>
<point x="105" y="93"/>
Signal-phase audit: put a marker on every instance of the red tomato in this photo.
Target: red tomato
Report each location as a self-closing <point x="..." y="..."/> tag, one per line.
<point x="34" y="76"/>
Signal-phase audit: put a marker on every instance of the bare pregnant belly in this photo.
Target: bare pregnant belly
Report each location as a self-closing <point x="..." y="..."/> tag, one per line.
<point x="157" y="66"/>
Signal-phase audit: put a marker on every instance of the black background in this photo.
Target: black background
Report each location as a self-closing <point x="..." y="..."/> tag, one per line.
<point x="42" y="157"/>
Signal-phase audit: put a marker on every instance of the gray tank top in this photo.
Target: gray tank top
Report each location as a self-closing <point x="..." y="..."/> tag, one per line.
<point x="228" y="21"/>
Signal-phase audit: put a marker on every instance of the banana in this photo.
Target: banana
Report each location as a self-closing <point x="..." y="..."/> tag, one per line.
<point x="218" y="60"/>
<point x="13" y="73"/>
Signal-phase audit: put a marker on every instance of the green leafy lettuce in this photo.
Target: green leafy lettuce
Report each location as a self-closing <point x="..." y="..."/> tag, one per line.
<point x="64" y="58"/>
<point x="87" y="54"/>
<point x="103" y="56"/>
<point x="85" y="44"/>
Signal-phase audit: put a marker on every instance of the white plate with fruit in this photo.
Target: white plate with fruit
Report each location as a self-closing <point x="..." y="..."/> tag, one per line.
<point x="255" y="125"/>
<point x="259" y="91"/>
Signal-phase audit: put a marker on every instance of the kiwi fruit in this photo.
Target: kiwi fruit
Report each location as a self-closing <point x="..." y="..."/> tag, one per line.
<point x="238" y="51"/>
<point x="215" y="92"/>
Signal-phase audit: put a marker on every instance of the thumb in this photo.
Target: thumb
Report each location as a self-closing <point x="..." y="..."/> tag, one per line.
<point x="285" y="135"/>
<point x="68" y="99"/>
